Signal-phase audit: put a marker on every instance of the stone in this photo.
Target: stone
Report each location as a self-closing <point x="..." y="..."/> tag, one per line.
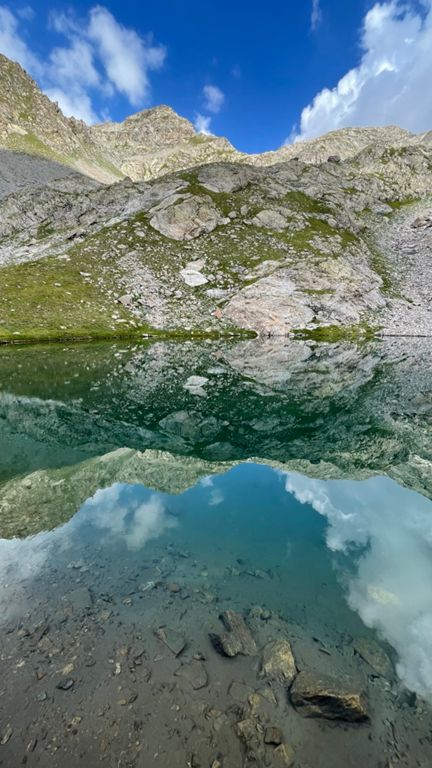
<point x="314" y="695"/>
<point x="128" y="697"/>
<point x="195" y="673"/>
<point x="193" y="278"/>
<point x="173" y="639"/>
<point x="372" y="653"/>
<point x="187" y="219"/>
<point x="270" y="219"/>
<point x="283" y="756"/>
<point x="6" y="734"/>
<point x="66" y="684"/>
<point x="273" y="735"/>
<point x="248" y="733"/>
<point x="278" y="662"/>
<point x="239" y="691"/>
<point x="80" y="599"/>
<point x="237" y="639"/>
<point x="195" y="382"/>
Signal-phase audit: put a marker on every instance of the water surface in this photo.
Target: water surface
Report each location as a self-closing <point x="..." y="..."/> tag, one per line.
<point x="291" y="485"/>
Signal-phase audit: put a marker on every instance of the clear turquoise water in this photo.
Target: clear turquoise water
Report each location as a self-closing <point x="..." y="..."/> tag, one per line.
<point x="328" y="529"/>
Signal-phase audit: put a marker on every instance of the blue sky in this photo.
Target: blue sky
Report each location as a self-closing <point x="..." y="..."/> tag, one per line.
<point x="260" y="74"/>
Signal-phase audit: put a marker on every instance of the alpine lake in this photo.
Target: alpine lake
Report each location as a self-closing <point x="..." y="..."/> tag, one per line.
<point x="216" y="554"/>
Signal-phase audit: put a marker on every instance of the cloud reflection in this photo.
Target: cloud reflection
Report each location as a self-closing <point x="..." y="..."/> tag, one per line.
<point x="388" y="531"/>
<point x="121" y="513"/>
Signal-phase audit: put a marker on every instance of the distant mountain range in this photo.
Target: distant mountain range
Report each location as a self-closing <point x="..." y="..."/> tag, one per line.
<point x="152" y="142"/>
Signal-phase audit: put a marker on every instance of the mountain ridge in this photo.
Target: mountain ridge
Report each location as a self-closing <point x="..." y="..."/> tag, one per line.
<point x="154" y="141"/>
<point x="170" y="233"/>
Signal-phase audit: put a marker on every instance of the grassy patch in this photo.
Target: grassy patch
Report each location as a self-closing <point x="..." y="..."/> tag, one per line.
<point x="334" y="333"/>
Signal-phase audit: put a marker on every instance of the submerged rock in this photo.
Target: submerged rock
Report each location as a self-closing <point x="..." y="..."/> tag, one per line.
<point x="273" y="735"/>
<point x="195" y="673"/>
<point x="372" y="653"/>
<point x="283" y="756"/>
<point x="315" y="695"/>
<point x="278" y="662"/>
<point x="175" y="641"/>
<point x="237" y="640"/>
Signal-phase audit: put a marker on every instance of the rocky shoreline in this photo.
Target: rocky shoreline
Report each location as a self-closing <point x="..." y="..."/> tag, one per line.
<point x="133" y="678"/>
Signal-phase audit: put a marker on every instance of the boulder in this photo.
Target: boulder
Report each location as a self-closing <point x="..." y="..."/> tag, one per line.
<point x="270" y="219"/>
<point x="278" y="662"/>
<point x="237" y="639"/>
<point x="315" y="695"/>
<point x="187" y="219"/>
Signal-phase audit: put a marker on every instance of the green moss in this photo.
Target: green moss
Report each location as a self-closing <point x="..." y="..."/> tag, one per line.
<point x="334" y="333"/>
<point x="302" y="203"/>
<point x="318" y="292"/>
<point x="398" y="204"/>
<point x="44" y="230"/>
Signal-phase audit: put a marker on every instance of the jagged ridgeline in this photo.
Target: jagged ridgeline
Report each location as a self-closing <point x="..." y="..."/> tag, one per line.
<point x="146" y="227"/>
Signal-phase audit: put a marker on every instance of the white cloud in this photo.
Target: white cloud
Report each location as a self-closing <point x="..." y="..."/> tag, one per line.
<point x="11" y="43"/>
<point x="389" y="587"/>
<point x="213" y="98"/>
<point x="316" y="15"/>
<point x="101" y="57"/>
<point x="390" y="82"/>
<point x="126" y="56"/>
<point x="202" y="124"/>
<point x="76" y="103"/>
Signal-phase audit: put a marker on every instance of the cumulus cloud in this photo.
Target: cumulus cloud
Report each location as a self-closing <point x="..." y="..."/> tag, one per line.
<point x="202" y="124"/>
<point x="119" y="510"/>
<point x="121" y="513"/>
<point x="126" y="56"/>
<point x="213" y="98"/>
<point x="387" y="529"/>
<point x="12" y="44"/>
<point x="316" y="15"/>
<point x="388" y="85"/>
<point x="101" y="57"/>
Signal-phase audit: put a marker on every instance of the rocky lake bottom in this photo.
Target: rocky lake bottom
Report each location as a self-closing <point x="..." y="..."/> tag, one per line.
<point x="216" y="555"/>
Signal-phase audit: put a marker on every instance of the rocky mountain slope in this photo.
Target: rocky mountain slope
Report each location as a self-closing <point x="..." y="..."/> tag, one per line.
<point x="328" y="247"/>
<point x="152" y="142"/>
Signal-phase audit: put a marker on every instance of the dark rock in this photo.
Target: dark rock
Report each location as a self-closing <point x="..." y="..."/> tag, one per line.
<point x="315" y="695"/>
<point x="333" y="159"/>
<point x="237" y="639"/>
<point x="66" y="684"/>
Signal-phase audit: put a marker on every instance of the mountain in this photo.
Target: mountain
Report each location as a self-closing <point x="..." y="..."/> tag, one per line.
<point x="152" y="142"/>
<point x="328" y="238"/>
